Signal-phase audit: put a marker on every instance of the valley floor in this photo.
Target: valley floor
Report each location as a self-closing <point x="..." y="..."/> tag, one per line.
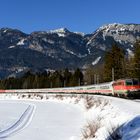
<point x="56" y="117"/>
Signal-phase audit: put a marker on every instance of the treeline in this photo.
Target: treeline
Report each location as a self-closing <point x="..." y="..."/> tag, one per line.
<point x="45" y="79"/>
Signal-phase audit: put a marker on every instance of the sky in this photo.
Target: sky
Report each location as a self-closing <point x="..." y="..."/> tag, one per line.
<point x="76" y="15"/>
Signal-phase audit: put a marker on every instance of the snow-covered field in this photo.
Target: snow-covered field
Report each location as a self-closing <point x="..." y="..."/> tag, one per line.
<point x="79" y="117"/>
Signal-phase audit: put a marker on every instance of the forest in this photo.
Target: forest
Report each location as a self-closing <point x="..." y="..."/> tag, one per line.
<point x="116" y="66"/>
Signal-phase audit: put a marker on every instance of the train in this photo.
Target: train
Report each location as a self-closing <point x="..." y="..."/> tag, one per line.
<point x="121" y="87"/>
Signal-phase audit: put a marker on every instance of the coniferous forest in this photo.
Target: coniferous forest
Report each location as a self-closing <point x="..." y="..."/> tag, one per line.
<point x="116" y="66"/>
<point x="45" y="79"/>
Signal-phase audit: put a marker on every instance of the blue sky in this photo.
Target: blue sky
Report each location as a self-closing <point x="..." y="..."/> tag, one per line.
<point x="76" y="15"/>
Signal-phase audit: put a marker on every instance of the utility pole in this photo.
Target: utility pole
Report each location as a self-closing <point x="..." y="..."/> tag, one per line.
<point x="112" y="74"/>
<point x="64" y="83"/>
<point x="97" y="79"/>
<point x="94" y="78"/>
<point x="79" y="82"/>
<point x="51" y="84"/>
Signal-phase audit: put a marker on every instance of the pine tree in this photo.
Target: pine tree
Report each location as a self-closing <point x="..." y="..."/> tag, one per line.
<point x="114" y="60"/>
<point x="28" y="80"/>
<point x="67" y="76"/>
<point x="77" y="78"/>
<point x="56" y="79"/>
<point x="137" y="59"/>
<point x="89" y="75"/>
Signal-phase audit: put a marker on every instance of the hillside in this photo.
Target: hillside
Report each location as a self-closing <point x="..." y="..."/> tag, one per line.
<point x="61" y="48"/>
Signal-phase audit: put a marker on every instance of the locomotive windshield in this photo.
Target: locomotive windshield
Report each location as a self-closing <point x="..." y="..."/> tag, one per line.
<point x="135" y="82"/>
<point x="132" y="82"/>
<point x="129" y="82"/>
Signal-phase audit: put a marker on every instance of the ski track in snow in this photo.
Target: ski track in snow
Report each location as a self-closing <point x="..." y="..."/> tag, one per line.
<point x="21" y="123"/>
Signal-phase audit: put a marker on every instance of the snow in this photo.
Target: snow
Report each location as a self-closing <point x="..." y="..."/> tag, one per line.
<point x="61" y="32"/>
<point x="89" y="52"/>
<point x="71" y="52"/>
<point x="81" y="56"/>
<point x="21" y="42"/>
<point x="78" y="55"/>
<point x="19" y="124"/>
<point x="5" y="118"/>
<point x="130" y="53"/>
<point x="52" y="120"/>
<point x="5" y="31"/>
<point x="80" y="33"/>
<point x="64" y="117"/>
<point x="108" y="26"/>
<point x="11" y="47"/>
<point x="89" y="42"/>
<point x="127" y="115"/>
<point x="133" y="129"/>
<point x="96" y="60"/>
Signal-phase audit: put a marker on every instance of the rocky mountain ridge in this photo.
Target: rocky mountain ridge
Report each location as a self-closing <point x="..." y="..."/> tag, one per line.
<point x="61" y="48"/>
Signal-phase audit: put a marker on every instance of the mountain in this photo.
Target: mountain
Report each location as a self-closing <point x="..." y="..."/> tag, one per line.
<point x="61" y="48"/>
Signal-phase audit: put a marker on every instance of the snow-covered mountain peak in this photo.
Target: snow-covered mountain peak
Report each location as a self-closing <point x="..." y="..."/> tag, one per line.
<point x="108" y="26"/>
<point x="119" y="27"/>
<point x="121" y="33"/>
<point x="61" y="31"/>
<point x="115" y="27"/>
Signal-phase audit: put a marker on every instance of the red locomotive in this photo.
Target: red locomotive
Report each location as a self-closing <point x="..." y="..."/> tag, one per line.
<point x="126" y="86"/>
